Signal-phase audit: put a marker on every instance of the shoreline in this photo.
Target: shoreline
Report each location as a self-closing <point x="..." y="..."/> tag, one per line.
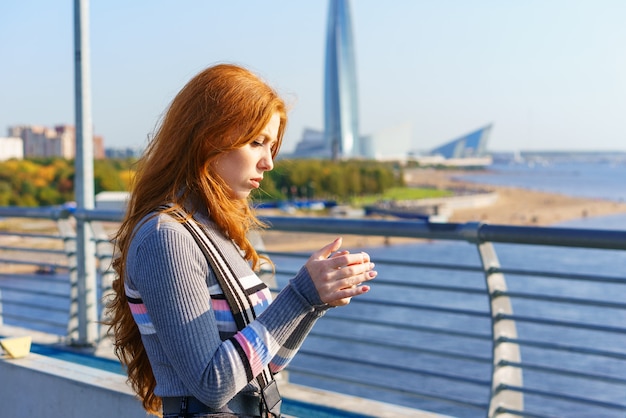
<point x="513" y="206"/>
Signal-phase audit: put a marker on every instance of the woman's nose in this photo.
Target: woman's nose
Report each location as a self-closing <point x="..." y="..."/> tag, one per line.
<point x="267" y="161"/>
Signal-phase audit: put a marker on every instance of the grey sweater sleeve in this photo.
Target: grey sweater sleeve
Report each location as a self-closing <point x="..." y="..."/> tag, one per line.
<point x="168" y="269"/>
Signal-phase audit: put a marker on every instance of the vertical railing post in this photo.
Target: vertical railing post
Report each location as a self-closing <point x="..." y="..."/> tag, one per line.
<point x="68" y="233"/>
<point x="104" y="255"/>
<point x="505" y="353"/>
<point x="84" y="187"/>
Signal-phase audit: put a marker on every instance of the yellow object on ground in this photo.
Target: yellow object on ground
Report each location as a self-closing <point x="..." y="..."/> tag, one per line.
<point x="16" y="347"/>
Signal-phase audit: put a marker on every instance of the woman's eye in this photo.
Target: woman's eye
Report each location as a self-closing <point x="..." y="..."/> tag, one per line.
<point x="258" y="143"/>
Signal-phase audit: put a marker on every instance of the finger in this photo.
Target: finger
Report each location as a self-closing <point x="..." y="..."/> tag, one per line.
<point x="346" y="295"/>
<point x="349" y="287"/>
<point x="357" y="278"/>
<point x="327" y="250"/>
<point x="362" y="258"/>
<point x="340" y="302"/>
<point x="355" y="266"/>
<point x="345" y="259"/>
<point x="339" y="253"/>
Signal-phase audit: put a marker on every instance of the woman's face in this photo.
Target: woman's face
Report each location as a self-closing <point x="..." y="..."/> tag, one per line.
<point x="242" y="168"/>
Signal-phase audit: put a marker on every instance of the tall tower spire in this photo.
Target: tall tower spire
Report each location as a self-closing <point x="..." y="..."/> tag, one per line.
<point x="340" y="94"/>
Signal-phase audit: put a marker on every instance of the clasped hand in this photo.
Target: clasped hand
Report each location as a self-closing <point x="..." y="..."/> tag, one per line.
<point x="338" y="275"/>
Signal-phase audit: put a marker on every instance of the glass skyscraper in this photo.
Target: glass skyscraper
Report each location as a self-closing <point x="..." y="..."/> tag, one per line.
<point x="341" y="120"/>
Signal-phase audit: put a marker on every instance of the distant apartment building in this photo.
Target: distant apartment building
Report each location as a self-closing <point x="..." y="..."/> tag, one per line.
<point x="60" y="141"/>
<point x="11" y="147"/>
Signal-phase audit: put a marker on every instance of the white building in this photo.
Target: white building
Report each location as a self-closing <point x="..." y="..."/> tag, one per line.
<point x="11" y="147"/>
<point x="112" y="200"/>
<point x="60" y="141"/>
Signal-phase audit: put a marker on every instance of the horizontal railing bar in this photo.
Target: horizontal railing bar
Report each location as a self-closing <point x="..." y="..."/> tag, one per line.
<point x="556" y="275"/>
<point x="412" y="327"/>
<point x="387" y="344"/>
<point x="31" y="235"/>
<point x="381" y="281"/>
<point x="40" y="307"/>
<point x="98" y="215"/>
<point x="423" y="307"/>
<point x="31" y="263"/>
<point x="22" y="318"/>
<point x="430" y="308"/>
<point x="388" y="261"/>
<point x="408" y="229"/>
<point x="564" y="397"/>
<point x="403" y="368"/>
<point x="33" y="250"/>
<point x="553" y="236"/>
<point x="41" y="250"/>
<point x="430" y="265"/>
<point x="472" y="231"/>
<point x="421" y="395"/>
<point x="564" y="324"/>
<point x="507" y="271"/>
<point x="563" y="347"/>
<point x="561" y="299"/>
<point x="564" y="372"/>
<point x="31" y="292"/>
<point x="53" y="213"/>
<point x="36" y="278"/>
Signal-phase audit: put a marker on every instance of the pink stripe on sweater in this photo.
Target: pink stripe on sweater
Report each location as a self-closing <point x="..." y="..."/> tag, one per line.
<point x="138" y="308"/>
<point x="220" y="305"/>
<point x="254" y="360"/>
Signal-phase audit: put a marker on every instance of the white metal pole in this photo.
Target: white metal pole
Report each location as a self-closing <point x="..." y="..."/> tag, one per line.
<point x="87" y="326"/>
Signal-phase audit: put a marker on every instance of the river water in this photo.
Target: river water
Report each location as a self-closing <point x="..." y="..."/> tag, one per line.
<point x="595" y="180"/>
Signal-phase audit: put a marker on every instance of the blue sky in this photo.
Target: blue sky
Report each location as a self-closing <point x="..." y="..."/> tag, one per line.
<point x="549" y="74"/>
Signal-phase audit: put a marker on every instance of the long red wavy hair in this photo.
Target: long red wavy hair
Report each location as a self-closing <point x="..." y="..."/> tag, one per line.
<point x="222" y="108"/>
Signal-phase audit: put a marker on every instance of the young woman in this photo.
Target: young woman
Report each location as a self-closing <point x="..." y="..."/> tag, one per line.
<point x="185" y="352"/>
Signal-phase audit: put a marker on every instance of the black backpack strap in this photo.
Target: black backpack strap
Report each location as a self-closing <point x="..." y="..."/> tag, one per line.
<point x="238" y="301"/>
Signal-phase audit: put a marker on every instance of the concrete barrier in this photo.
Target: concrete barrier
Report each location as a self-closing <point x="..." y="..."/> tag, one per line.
<point x="36" y="386"/>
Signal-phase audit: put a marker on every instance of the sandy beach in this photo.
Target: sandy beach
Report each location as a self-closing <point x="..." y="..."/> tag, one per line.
<point x="513" y="206"/>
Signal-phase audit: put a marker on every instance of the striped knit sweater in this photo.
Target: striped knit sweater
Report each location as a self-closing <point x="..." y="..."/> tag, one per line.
<point x="185" y="321"/>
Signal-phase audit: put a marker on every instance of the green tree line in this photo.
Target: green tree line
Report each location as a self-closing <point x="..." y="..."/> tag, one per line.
<point x="44" y="182"/>
<point x="323" y="179"/>
<point x="50" y="181"/>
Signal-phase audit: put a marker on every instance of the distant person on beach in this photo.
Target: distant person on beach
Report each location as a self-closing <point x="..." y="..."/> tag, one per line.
<point x="191" y="321"/>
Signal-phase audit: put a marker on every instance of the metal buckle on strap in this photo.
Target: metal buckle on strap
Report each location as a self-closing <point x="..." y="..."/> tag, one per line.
<point x="271" y="399"/>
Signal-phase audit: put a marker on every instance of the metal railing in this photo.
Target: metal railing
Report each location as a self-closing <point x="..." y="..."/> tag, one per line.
<point x="443" y="330"/>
